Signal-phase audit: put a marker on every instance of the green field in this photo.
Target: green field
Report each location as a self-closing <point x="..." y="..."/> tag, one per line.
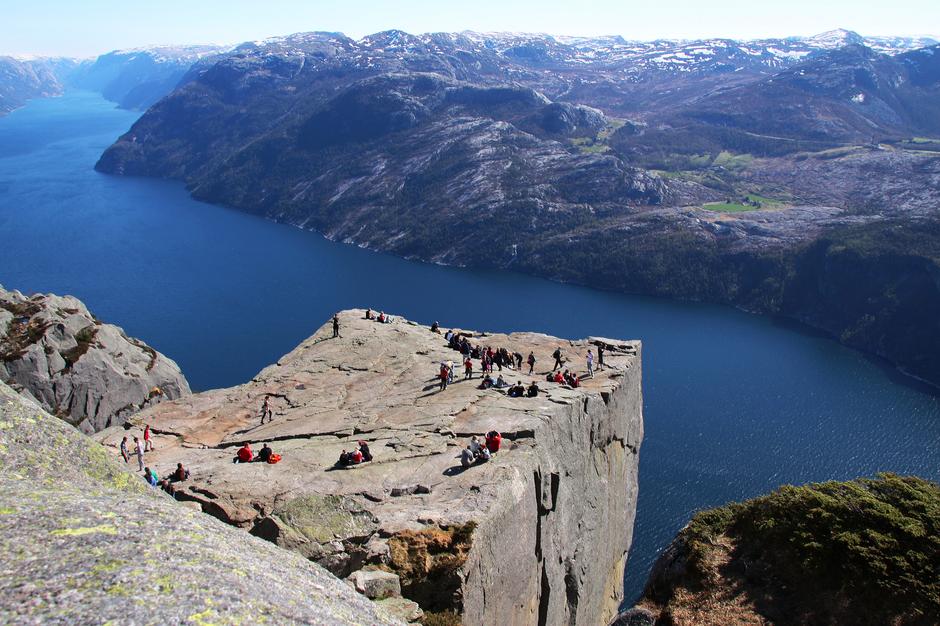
<point x="598" y="143"/>
<point x="736" y="207"/>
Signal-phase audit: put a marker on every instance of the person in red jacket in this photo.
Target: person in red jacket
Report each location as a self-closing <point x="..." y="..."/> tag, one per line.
<point x="493" y="440"/>
<point x="148" y="442"/>
<point x="244" y="454"/>
<point x="355" y="458"/>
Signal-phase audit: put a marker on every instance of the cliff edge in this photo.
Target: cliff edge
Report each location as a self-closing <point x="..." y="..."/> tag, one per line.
<point x="84" y="541"/>
<point x="89" y="373"/>
<point x="539" y="534"/>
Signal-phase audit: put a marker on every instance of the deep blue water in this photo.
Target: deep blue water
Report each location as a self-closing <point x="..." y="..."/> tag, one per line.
<point x="735" y="404"/>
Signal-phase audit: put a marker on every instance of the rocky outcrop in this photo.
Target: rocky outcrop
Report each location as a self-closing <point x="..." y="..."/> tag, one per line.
<point x="539" y="534"/>
<point x="857" y="552"/>
<point x="84" y="541"/>
<point x="86" y="372"/>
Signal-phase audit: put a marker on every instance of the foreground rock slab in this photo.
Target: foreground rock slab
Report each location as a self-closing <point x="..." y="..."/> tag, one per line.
<point x="539" y="534"/>
<point x="84" y="541"/>
<point x="89" y="373"/>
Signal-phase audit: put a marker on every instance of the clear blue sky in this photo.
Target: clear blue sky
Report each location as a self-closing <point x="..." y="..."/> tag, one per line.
<point x="90" y="27"/>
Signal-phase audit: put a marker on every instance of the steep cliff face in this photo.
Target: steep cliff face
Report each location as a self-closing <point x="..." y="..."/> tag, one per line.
<point x="85" y="541"/>
<point x="539" y="534"/>
<point x="86" y="372"/>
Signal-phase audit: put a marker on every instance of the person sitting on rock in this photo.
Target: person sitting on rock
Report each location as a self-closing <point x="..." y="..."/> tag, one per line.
<point x="558" y="378"/>
<point x="517" y="390"/>
<point x="483" y="456"/>
<point x="567" y="377"/>
<point x="364" y="449"/>
<point x="575" y="381"/>
<point x="264" y="455"/>
<point x="244" y="454"/>
<point x="493" y="441"/>
<point x="369" y="315"/>
<point x="343" y="459"/>
<point x="355" y="458"/>
<point x="533" y="390"/>
<point x="500" y="383"/>
<point x="486" y="383"/>
<point x="381" y="317"/>
<point x="467" y="457"/>
<point x="436" y="328"/>
<point x="150" y="477"/>
<point x="475" y="445"/>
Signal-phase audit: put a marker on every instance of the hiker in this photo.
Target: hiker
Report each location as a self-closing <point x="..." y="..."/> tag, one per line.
<point x="444" y="376"/>
<point x="500" y="383"/>
<point x="493" y="441"/>
<point x="364" y="449"/>
<point x="467" y="457"/>
<point x="531" y="361"/>
<point x="266" y="411"/>
<point x="557" y="356"/>
<point x="124" y="453"/>
<point x="448" y="336"/>
<point x="533" y="390"/>
<point x="475" y="445"/>
<point x="467" y="369"/>
<point x="264" y="455"/>
<point x="369" y="314"/>
<point x="575" y="382"/>
<point x="381" y="318"/>
<point x="139" y="451"/>
<point x="355" y="457"/>
<point x="150" y="477"/>
<point x="590" y="363"/>
<point x="567" y="377"/>
<point x="558" y="378"/>
<point x="486" y="383"/>
<point x="436" y="328"/>
<point x="450" y="372"/>
<point x="148" y="443"/>
<point x="483" y="456"/>
<point x="600" y="356"/>
<point x="517" y="390"/>
<point x="335" y="325"/>
<point x="244" y="454"/>
<point x="518" y="357"/>
<point x="179" y="474"/>
<point x="343" y="459"/>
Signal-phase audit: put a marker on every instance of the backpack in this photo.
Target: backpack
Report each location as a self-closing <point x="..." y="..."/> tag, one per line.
<point x="274" y="458"/>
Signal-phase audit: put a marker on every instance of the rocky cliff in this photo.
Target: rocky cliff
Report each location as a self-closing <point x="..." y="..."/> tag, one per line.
<point x="84" y="371"/>
<point x="539" y="534"/>
<point x="858" y="552"/>
<point x="85" y="541"/>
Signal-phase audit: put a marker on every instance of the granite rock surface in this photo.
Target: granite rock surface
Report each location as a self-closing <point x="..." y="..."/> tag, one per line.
<point x="89" y="373"/>
<point x="539" y="534"/>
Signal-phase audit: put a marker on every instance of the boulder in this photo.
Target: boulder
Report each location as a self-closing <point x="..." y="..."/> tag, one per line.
<point x="89" y="373"/>
<point x="376" y="584"/>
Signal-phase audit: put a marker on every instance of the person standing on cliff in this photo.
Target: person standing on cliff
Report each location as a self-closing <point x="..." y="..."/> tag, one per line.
<point x="335" y="325"/>
<point x="124" y="452"/>
<point x="600" y="356"/>
<point x="590" y="363"/>
<point x="531" y="361"/>
<point x="139" y="450"/>
<point x="148" y="442"/>
<point x="266" y="411"/>
<point x="467" y="369"/>
<point x="557" y="356"/>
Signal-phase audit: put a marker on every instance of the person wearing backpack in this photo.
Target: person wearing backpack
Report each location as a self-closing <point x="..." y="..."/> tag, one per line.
<point x="531" y="361"/>
<point x="557" y="356"/>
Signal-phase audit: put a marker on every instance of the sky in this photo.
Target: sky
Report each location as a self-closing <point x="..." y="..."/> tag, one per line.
<point x="85" y="28"/>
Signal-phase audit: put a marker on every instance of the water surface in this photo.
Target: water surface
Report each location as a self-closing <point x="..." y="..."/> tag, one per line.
<point x="735" y="404"/>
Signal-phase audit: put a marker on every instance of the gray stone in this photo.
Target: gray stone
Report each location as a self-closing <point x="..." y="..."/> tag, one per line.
<point x="85" y="541"/>
<point x="376" y="584"/>
<point x="88" y="373"/>
<point x="402" y="608"/>
<point x="547" y="523"/>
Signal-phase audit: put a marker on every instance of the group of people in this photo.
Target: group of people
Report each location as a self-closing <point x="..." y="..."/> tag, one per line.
<point x="246" y="455"/>
<point x="176" y="476"/>
<point x="361" y="454"/>
<point x="513" y="360"/>
<point x="480" y="452"/>
<point x="381" y="318"/>
<point x="140" y="447"/>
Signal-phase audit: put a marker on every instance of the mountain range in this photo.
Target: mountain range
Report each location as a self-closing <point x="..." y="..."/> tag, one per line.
<point x="797" y="176"/>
